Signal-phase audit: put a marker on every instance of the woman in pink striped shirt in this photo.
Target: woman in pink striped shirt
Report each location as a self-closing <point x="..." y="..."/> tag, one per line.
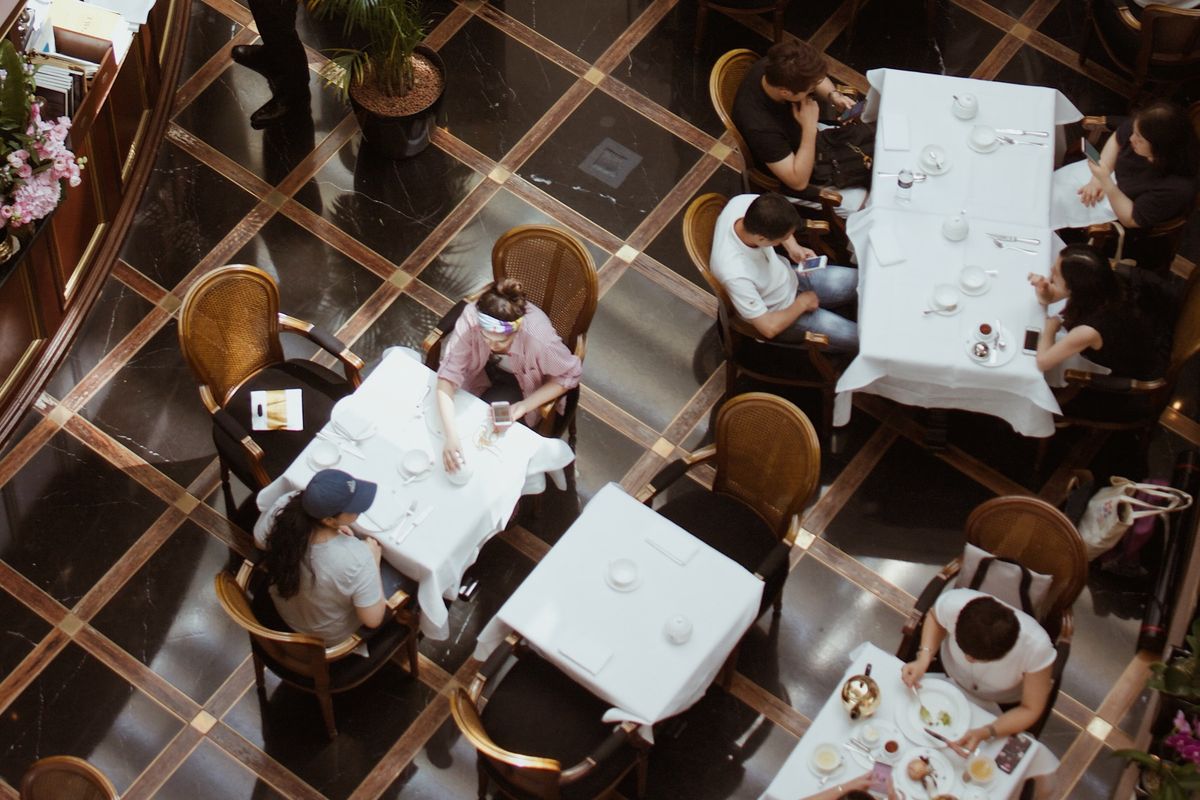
<point x="503" y="348"/>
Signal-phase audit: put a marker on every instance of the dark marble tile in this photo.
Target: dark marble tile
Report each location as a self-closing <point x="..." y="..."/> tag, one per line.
<point x="585" y="34"/>
<point x="152" y="406"/>
<point x="1108" y="617"/>
<point x="906" y="519"/>
<point x="665" y="67"/>
<point x="210" y="774"/>
<point x="316" y="282"/>
<point x="21" y="632"/>
<point x="390" y="206"/>
<point x="220" y="116"/>
<point x="656" y="160"/>
<point x="1136" y="714"/>
<point x="1101" y="778"/>
<point x="1032" y="67"/>
<point x="602" y="455"/>
<point x="1067" y="24"/>
<point x="1014" y="8"/>
<point x="370" y="718"/>
<point x="186" y="209"/>
<point x="805" y="19"/>
<point x="29" y="421"/>
<point x="78" y="707"/>
<point x="667" y="247"/>
<point x="800" y="656"/>
<point x="497" y="88"/>
<point x="404" y="323"/>
<point x="116" y="311"/>
<point x="500" y="570"/>
<point x="1058" y="735"/>
<point x="465" y="263"/>
<point x="444" y="767"/>
<point x="897" y="35"/>
<point x="167" y="615"/>
<point x="68" y="516"/>
<point x="208" y="31"/>
<point x="996" y="444"/>
<point x="648" y="351"/>
<point x="716" y="749"/>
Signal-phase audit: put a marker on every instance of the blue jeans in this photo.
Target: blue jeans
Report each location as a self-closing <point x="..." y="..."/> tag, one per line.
<point x="835" y="286"/>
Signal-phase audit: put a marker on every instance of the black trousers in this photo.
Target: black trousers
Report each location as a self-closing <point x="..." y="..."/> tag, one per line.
<point x="287" y="64"/>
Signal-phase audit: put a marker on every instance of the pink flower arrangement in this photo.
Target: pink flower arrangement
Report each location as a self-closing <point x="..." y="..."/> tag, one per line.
<point x="31" y="176"/>
<point x="1183" y="739"/>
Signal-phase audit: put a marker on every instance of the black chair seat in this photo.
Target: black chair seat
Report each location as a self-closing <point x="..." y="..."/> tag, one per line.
<point x="730" y="526"/>
<point x="320" y="388"/>
<point x="537" y="710"/>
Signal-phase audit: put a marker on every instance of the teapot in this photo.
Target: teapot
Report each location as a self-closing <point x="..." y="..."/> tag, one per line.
<point x="956" y="228"/>
<point x="966" y="106"/>
<point x="860" y="694"/>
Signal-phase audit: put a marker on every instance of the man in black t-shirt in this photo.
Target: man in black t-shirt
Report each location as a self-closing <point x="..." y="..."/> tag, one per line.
<point x="776" y="110"/>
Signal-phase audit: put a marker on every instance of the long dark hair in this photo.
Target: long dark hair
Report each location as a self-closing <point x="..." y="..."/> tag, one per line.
<point x="287" y="545"/>
<point x="1090" y="280"/>
<point x="1165" y="125"/>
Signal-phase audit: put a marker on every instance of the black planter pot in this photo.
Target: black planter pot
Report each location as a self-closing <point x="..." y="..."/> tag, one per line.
<point x="403" y="136"/>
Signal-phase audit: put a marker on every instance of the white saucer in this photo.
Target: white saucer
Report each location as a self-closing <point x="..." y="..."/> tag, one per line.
<point x="930" y="170"/>
<point x="812" y="765"/>
<point x="995" y="146"/>
<point x="996" y="357"/>
<point x="977" y="292"/>
<point x="323" y="455"/>
<point x="622" y="587"/>
<point x="887" y="730"/>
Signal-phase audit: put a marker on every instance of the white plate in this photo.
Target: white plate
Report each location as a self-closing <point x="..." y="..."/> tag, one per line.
<point x="937" y="695"/>
<point x="617" y="566"/>
<point x="996" y="357"/>
<point x="812" y="760"/>
<point x="942" y="312"/>
<point x="886" y="731"/>
<point x="944" y="776"/>
<point x="323" y="455"/>
<point x="928" y="166"/>
<point x="350" y="422"/>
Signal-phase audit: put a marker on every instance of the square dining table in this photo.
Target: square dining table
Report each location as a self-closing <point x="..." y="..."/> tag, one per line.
<point x="920" y="358"/>
<point x="796" y="779"/>
<point x="430" y="529"/>
<point x="613" y="641"/>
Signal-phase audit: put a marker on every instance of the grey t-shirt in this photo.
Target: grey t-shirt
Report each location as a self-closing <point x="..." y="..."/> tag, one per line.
<point x="335" y="577"/>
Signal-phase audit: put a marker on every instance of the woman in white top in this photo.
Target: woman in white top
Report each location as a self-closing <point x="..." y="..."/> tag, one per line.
<point x="994" y="652"/>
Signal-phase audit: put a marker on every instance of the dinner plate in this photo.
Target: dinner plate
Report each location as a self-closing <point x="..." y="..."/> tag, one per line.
<point x="939" y="697"/>
<point x="944" y="776"/>
<point x="995" y="357"/>
<point x="350" y="421"/>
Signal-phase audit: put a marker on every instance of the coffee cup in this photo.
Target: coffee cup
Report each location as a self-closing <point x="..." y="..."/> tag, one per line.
<point x="956" y="228"/>
<point x="945" y="298"/>
<point x="973" y="279"/>
<point x="982" y="769"/>
<point x="983" y="137"/>
<point x="622" y="572"/>
<point x="414" y="464"/>
<point x="891" y="747"/>
<point x="826" y="758"/>
<point x="965" y="106"/>
<point x="870" y="735"/>
<point x="985" y="331"/>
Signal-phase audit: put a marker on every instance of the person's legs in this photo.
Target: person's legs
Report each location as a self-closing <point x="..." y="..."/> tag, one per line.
<point x="835" y="286"/>
<point x="281" y="59"/>
<point x="842" y="333"/>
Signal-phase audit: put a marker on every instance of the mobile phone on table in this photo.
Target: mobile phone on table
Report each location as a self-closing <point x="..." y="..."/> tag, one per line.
<point x="812" y="264"/>
<point x="502" y="414"/>
<point x="1010" y="755"/>
<point x="881" y="777"/>
<point x="1090" y="150"/>
<point x="1029" y="347"/>
<point x="853" y="111"/>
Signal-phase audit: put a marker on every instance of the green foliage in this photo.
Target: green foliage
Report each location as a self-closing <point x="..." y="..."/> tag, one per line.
<point x="16" y="90"/>
<point x="1180" y="677"/>
<point x="393" y="29"/>
<point x="1170" y="781"/>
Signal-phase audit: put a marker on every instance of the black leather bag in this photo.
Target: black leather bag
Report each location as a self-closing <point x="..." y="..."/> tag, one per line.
<point x="844" y="156"/>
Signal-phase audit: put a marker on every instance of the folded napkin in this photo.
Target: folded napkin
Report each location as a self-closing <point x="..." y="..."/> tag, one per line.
<point x="347" y="421"/>
<point x="675" y="545"/>
<point x="885" y="244"/>
<point x="385" y="513"/>
<point x="584" y="651"/>
<point x="895" y="131"/>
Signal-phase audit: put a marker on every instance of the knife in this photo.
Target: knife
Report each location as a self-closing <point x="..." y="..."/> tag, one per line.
<point x="1018" y="132"/>
<point x="1004" y="237"/>
<point x="946" y="742"/>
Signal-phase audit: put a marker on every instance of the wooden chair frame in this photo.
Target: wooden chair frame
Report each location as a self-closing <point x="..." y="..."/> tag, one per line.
<point x="72" y="765"/>
<point x="307" y="654"/>
<point x="1146" y="59"/>
<point x="697" y="239"/>
<point x="776" y="8"/>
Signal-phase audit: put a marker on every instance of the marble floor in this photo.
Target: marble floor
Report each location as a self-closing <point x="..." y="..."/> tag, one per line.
<point x="112" y="645"/>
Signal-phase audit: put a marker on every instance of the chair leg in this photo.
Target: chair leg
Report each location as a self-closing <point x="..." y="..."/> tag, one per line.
<point x="227" y="490"/>
<point x="483" y="778"/>
<point x="326" y="701"/>
<point x="725" y="676"/>
<point x="778" y="604"/>
<point x="413" y="659"/>
<point x="701" y="19"/>
<point x="642" y="770"/>
<point x="1043" y="448"/>
<point x="258" y="674"/>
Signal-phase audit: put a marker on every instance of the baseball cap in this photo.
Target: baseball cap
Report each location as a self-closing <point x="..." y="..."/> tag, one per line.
<point x="332" y="492"/>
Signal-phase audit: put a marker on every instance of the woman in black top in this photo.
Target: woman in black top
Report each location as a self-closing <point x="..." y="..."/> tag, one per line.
<point x="1099" y="322"/>
<point x="1154" y="158"/>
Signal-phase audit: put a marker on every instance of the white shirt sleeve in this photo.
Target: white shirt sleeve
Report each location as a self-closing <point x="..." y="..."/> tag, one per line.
<point x="745" y="298"/>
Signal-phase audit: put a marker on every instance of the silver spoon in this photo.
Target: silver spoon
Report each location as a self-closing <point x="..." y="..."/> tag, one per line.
<point x="1001" y="245"/>
<point x="1010" y="140"/>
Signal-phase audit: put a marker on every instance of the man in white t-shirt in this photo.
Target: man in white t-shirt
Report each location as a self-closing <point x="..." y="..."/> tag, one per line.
<point x="994" y="652"/>
<point x="765" y="289"/>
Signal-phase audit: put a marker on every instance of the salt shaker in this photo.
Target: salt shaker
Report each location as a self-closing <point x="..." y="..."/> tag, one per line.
<point x="904" y="184"/>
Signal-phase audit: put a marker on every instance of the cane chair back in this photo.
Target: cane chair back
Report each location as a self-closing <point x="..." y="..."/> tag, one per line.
<point x="699" y="227"/>
<point x="768" y="457"/>
<point x="228" y="328"/>
<point x="1187" y="330"/>
<point x="298" y="652"/>
<point x="723" y="82"/>
<point x="1037" y="535"/>
<point x="536" y="777"/>
<point x="1170" y="38"/>
<point x="65" y="778"/>
<point x="556" y="272"/>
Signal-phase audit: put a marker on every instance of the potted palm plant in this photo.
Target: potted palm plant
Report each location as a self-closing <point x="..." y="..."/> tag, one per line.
<point x="394" y="82"/>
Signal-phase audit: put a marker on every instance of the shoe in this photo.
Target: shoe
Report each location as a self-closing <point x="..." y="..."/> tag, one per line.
<point x="251" y="56"/>
<point x="277" y="109"/>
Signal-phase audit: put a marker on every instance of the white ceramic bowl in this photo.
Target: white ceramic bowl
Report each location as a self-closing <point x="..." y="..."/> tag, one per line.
<point x="324" y="454"/>
<point x="826" y="758"/>
<point x="622" y="572"/>
<point x="945" y="298"/>
<point x="983" y="137"/>
<point x="415" y="462"/>
<point x="973" y="278"/>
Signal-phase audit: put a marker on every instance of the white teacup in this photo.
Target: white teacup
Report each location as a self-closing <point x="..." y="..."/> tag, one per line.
<point x="414" y="464"/>
<point x="945" y="298"/>
<point x="966" y="106"/>
<point x="985" y="332"/>
<point x="461" y="476"/>
<point x="982" y="769"/>
<point x="973" y="278"/>
<point x="826" y="758"/>
<point x="934" y="159"/>
<point x="622" y="572"/>
<point x="678" y="629"/>
<point x="956" y="228"/>
<point x="324" y="454"/>
<point x="983" y="137"/>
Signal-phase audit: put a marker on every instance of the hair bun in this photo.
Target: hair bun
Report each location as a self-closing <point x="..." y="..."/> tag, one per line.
<point x="510" y="289"/>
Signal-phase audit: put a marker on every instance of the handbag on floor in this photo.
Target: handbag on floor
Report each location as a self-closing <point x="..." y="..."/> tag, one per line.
<point x="1113" y="509"/>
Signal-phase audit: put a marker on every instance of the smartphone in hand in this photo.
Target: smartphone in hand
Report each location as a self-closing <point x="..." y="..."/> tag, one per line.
<point x="812" y="264"/>
<point x="502" y="415"/>
<point x="1090" y="150"/>
<point x="853" y="112"/>
<point x="881" y="777"/>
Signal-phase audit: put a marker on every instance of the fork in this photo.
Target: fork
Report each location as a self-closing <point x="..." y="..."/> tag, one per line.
<point x="1004" y="246"/>
<point x="925" y="712"/>
<point x="1019" y="132"/>
<point x="1010" y="140"/>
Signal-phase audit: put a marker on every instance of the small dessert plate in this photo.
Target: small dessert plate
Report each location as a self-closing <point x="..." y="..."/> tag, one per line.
<point x="323" y="454"/>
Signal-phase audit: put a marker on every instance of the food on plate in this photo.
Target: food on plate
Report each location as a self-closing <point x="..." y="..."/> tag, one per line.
<point x="918" y="769"/>
<point x="942" y="718"/>
<point x="891" y="746"/>
<point x="982" y="769"/>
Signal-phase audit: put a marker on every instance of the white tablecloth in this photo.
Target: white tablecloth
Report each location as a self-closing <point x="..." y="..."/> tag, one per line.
<point x="462" y="518"/>
<point x="567" y="605"/>
<point x="921" y="359"/>
<point x="796" y="779"/>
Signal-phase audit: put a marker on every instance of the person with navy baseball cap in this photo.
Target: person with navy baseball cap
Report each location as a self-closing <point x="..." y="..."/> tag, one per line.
<point x="323" y="580"/>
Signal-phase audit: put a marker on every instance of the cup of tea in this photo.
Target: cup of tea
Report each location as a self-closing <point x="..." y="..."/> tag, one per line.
<point x="981" y="768"/>
<point x="966" y="105"/>
<point x="985" y="331"/>
<point x="891" y="747"/>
